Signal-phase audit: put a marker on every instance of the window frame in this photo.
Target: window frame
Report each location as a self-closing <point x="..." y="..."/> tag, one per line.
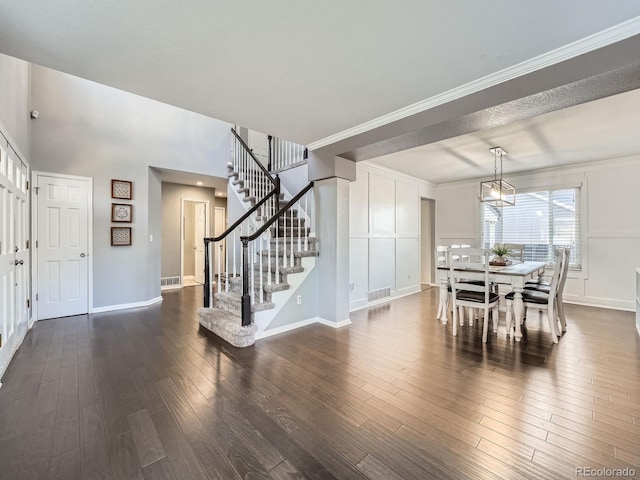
<point x="580" y="220"/>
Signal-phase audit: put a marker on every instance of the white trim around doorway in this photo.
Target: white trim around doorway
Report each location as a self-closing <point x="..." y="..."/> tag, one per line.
<point x="34" y="228"/>
<point x="207" y="228"/>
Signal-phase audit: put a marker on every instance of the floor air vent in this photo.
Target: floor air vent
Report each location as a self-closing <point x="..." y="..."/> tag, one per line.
<point x="378" y="294"/>
<point x="169" y="281"/>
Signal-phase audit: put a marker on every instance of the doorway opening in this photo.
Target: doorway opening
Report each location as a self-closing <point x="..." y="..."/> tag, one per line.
<point x="63" y="226"/>
<point x="194" y="228"/>
<point x="427" y="242"/>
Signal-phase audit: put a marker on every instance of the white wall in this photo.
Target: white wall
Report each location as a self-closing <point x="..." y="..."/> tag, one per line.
<point x="14" y="124"/>
<point x="384" y="232"/>
<point x="15" y="97"/>
<point x="610" y="233"/>
<point x="97" y="131"/>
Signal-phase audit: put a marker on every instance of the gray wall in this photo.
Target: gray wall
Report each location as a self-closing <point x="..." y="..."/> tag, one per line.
<point x="188" y="253"/>
<point x="171" y="195"/>
<point x="91" y="130"/>
<point x="15" y="100"/>
<point x="291" y="312"/>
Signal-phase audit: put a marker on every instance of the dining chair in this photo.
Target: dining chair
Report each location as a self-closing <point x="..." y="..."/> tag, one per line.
<point x="441" y="260"/>
<point x="465" y="294"/>
<point x="545" y="287"/>
<point x="516" y="250"/>
<point x="440" y="256"/>
<point x="542" y="300"/>
<point x="540" y="281"/>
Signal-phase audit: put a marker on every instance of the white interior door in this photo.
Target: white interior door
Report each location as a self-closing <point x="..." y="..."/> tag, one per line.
<point x="62" y="245"/>
<point x="14" y="254"/>
<point x="219" y="227"/>
<point x="199" y="234"/>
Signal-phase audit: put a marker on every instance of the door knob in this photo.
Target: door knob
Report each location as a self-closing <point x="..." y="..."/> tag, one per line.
<point x="82" y="255"/>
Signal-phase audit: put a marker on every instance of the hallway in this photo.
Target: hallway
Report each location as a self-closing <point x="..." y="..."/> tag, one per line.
<point x="145" y="394"/>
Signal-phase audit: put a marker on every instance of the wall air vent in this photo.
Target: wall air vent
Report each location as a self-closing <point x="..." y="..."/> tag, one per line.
<point x="170" y="281"/>
<point x="379" y="294"/>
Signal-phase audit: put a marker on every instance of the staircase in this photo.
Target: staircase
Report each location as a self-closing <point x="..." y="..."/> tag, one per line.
<point x="279" y="246"/>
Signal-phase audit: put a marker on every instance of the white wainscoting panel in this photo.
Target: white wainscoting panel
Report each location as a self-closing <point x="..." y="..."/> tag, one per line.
<point x="612" y="266"/>
<point x="456" y="213"/>
<point x="358" y="269"/>
<point x="407" y="208"/>
<point x="359" y="204"/>
<point x="614" y="197"/>
<point x="382" y="198"/>
<point x="382" y="268"/>
<point x="407" y="264"/>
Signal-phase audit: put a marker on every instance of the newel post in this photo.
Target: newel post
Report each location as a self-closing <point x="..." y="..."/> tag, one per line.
<point x="246" y="298"/>
<point x="207" y="279"/>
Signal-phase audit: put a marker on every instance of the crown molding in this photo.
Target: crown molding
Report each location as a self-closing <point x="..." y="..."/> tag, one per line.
<point x="394" y="173"/>
<point x="593" y="42"/>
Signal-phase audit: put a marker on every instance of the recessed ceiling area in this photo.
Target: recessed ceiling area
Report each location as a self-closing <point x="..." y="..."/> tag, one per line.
<point x="597" y="130"/>
<point x="192" y="179"/>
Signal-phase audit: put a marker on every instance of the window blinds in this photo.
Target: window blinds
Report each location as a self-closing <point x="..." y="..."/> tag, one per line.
<point x="542" y="220"/>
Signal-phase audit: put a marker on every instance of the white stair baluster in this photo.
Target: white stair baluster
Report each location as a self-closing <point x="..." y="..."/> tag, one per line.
<point x="299" y="217"/>
<point x="219" y="262"/>
<point x="234" y="252"/>
<point x="260" y="277"/>
<point x="252" y="253"/>
<point x="291" y="240"/>
<point x="306" y="231"/>
<point x="211" y="248"/>
<point x="268" y="258"/>
<point x="277" y="278"/>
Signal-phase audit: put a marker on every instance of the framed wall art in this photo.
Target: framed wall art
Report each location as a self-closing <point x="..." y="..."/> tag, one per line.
<point x="121" y="189"/>
<point x="120" y="236"/>
<point x="121" y="212"/>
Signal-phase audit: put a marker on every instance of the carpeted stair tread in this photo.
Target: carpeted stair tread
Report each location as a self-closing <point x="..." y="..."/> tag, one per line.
<point x="228" y="326"/>
<point x="234" y="300"/>
<point x="296" y="253"/>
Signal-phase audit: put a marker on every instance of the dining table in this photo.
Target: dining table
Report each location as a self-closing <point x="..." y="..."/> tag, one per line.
<point x="515" y="275"/>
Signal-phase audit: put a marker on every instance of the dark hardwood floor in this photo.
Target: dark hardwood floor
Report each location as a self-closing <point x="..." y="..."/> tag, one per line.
<point x="145" y="394"/>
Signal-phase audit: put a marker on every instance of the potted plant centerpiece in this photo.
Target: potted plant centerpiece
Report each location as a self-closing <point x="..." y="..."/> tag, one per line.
<point x="500" y="251"/>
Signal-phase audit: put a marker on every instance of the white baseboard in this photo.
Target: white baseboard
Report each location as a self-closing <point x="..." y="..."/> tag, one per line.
<point x="10" y="349"/>
<point x="170" y="287"/>
<point x="601" y="303"/>
<point x="302" y="323"/>
<point x="124" y="306"/>
<point x="358" y="305"/>
<point x="285" y="328"/>
<point x="329" y="323"/>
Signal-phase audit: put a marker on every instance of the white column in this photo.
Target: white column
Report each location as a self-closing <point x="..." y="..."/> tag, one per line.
<point x="332" y="203"/>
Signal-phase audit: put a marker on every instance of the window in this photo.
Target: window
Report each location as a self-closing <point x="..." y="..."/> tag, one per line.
<point x="542" y="220"/>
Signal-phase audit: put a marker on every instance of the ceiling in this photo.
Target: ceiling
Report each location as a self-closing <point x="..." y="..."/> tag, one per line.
<point x="186" y="178"/>
<point x="316" y="72"/>
<point x="305" y="70"/>
<point x="597" y="130"/>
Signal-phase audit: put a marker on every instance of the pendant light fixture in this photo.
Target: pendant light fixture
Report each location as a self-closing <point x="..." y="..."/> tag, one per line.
<point x="497" y="192"/>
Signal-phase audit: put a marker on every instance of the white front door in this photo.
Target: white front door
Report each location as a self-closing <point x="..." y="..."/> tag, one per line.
<point x="62" y="245"/>
<point x="14" y="254"/>
<point x="199" y="234"/>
